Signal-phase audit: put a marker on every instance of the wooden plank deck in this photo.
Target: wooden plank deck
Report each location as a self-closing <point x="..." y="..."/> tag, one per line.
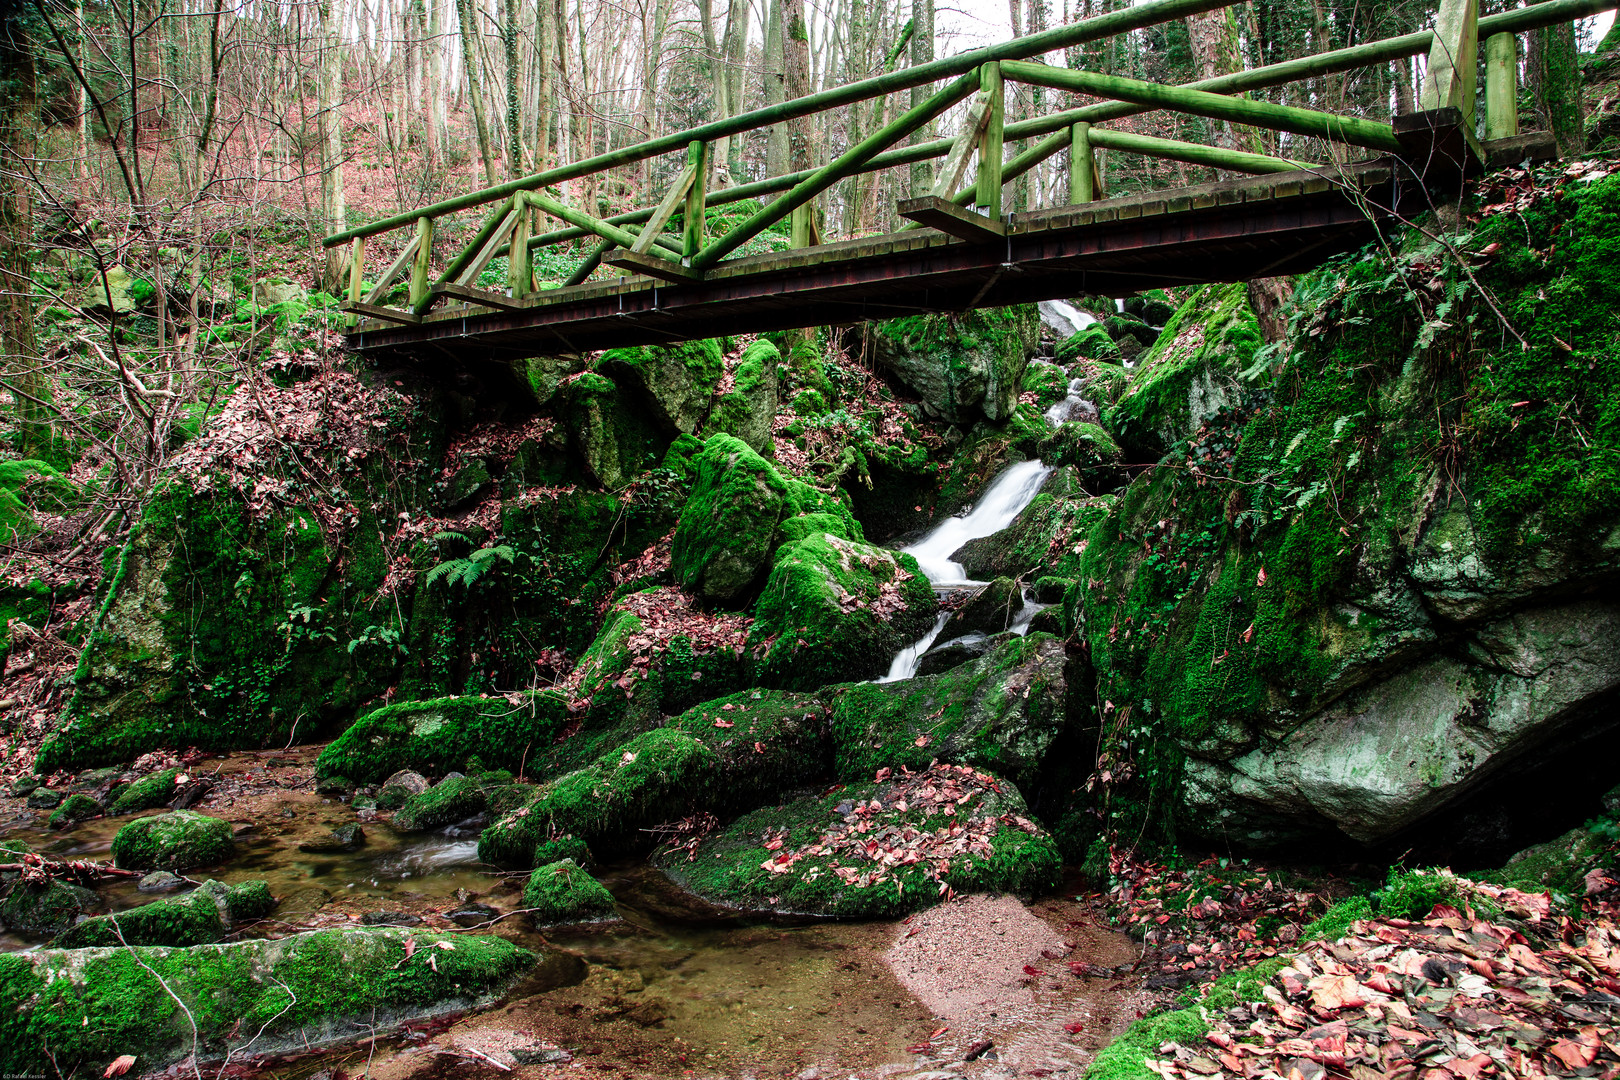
<point x="1227" y="231"/>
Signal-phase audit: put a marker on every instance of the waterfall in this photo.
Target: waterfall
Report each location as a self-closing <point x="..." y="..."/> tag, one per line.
<point x="1000" y="504"/>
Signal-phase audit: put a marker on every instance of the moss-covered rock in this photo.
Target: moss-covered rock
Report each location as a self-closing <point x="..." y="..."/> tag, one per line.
<point x="561" y="892"/>
<point x="75" y="808"/>
<point x="44" y="910"/>
<point x="1007" y="711"/>
<point x="1373" y="542"/>
<point x="672" y="383"/>
<point x="173" y="841"/>
<point x="441" y="735"/>
<point x="615" y="440"/>
<point x="748" y="409"/>
<point x="729" y="525"/>
<point x="719" y="757"/>
<point x="1191" y="372"/>
<point x="1044" y="536"/>
<point x="834" y="610"/>
<point x="964" y="367"/>
<point x="1091" y="343"/>
<point x="452" y="799"/>
<point x="990" y="610"/>
<point x="148" y="793"/>
<point x="1090" y="451"/>
<point x="874" y="850"/>
<point x="80" y="1008"/>
<point x="200" y="917"/>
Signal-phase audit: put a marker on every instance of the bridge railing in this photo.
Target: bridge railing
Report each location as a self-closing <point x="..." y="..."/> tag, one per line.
<point x="668" y="241"/>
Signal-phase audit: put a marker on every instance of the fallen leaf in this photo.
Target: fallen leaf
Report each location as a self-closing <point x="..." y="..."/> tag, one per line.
<point x="120" y="1065"/>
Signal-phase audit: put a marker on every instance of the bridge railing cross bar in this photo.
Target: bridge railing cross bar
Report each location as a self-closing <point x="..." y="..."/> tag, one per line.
<point x="636" y="241"/>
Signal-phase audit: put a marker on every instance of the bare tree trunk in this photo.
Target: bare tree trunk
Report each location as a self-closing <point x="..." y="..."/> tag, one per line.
<point x="475" y="95"/>
<point x="922" y="51"/>
<point x="23" y="375"/>
<point x="1553" y="70"/>
<point x="776" y="148"/>
<point x="329" y="125"/>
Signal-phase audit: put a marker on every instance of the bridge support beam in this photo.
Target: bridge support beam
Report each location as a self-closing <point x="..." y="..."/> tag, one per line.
<point x="697" y="198"/>
<point x="1448" y="81"/>
<point x="517" y="259"/>
<point x="420" y="293"/>
<point x="1082" y="165"/>
<point x="990" y="142"/>
<point x="1501" y="86"/>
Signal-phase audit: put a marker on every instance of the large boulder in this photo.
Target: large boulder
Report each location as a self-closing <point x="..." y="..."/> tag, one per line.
<point x="1372" y="587"/>
<point x="1385" y="756"/>
<point x="719" y="757"/>
<point x="44" y="909"/>
<point x="1006" y="712"/>
<point x="739" y="510"/>
<point x="1190" y="372"/>
<point x="672" y="383"/>
<point x="200" y="917"/>
<point x="441" y="735"/>
<point x="729" y="523"/>
<point x="614" y="439"/>
<point x="874" y="850"/>
<point x="79" y="1009"/>
<point x="747" y="403"/>
<point x="174" y="841"/>
<point x="965" y="367"/>
<point x="834" y="610"/>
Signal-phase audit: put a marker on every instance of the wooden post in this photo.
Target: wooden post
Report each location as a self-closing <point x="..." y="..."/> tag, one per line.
<point x="1082" y="165"/>
<point x="989" y="193"/>
<point x="424" y="260"/>
<point x="517" y="257"/>
<point x="1501" y="86"/>
<point x="801" y="226"/>
<point x="357" y="268"/>
<point x="1453" y="59"/>
<point x="697" y="156"/>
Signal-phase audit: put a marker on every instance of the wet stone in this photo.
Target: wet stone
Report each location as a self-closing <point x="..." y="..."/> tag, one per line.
<point x="160" y="881"/>
<point x="473" y="915"/>
<point x="24" y="785"/>
<point x="333" y="785"/>
<point x="541" y="1055"/>
<point x="44" y="799"/>
<point x="342" y="839"/>
<point x="390" y="918"/>
<point x="399" y="787"/>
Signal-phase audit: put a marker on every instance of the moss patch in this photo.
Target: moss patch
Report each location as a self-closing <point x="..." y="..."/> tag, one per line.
<point x="561" y="892"/>
<point x="175" y="841"/>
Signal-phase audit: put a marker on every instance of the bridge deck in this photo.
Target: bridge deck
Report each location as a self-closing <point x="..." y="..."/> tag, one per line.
<point x="1226" y="231"/>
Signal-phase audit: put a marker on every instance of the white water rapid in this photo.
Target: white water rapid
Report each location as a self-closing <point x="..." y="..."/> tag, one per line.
<point x="997" y="508"/>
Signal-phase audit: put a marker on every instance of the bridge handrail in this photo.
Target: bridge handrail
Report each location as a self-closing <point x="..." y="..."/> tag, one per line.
<point x="506" y="230"/>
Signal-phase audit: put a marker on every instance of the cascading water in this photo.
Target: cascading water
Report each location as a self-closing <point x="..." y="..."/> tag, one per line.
<point x="997" y="508"/>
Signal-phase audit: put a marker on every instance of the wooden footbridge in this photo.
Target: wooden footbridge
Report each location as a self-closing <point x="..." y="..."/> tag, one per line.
<point x="960" y="250"/>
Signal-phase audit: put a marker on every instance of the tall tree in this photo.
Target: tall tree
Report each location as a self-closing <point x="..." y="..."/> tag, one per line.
<point x="23" y="375"/>
<point x="475" y="94"/>
<point x="329" y="128"/>
<point x="1553" y="70"/>
<point x="922" y="52"/>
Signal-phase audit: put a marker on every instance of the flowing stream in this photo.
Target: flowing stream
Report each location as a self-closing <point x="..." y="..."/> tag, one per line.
<point x="1006" y="497"/>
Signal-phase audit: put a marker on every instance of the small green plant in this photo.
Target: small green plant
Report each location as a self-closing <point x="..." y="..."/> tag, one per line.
<point x="1412" y="894"/>
<point x="386" y="636"/>
<point x="474" y="567"/>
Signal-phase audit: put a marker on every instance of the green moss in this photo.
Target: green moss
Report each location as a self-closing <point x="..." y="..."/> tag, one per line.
<point x="81" y="1008"/>
<point x="445" y="803"/>
<point x="1091" y="343"/>
<point x="74" y="809"/>
<point x="1003" y="712"/>
<point x="719" y="757"/>
<point x="561" y="892"/>
<point x="727" y="868"/>
<point x="563" y="847"/>
<point x="147" y="793"/>
<point x="173" y="841"/>
<point x="748" y="410"/>
<point x="674" y="383"/>
<point x="197" y="918"/>
<point x="729" y="524"/>
<point x="440" y="735"/>
<point x="1412" y="894"/>
<point x="964" y="366"/>
<point x="815" y="622"/>
<point x="1048" y="382"/>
